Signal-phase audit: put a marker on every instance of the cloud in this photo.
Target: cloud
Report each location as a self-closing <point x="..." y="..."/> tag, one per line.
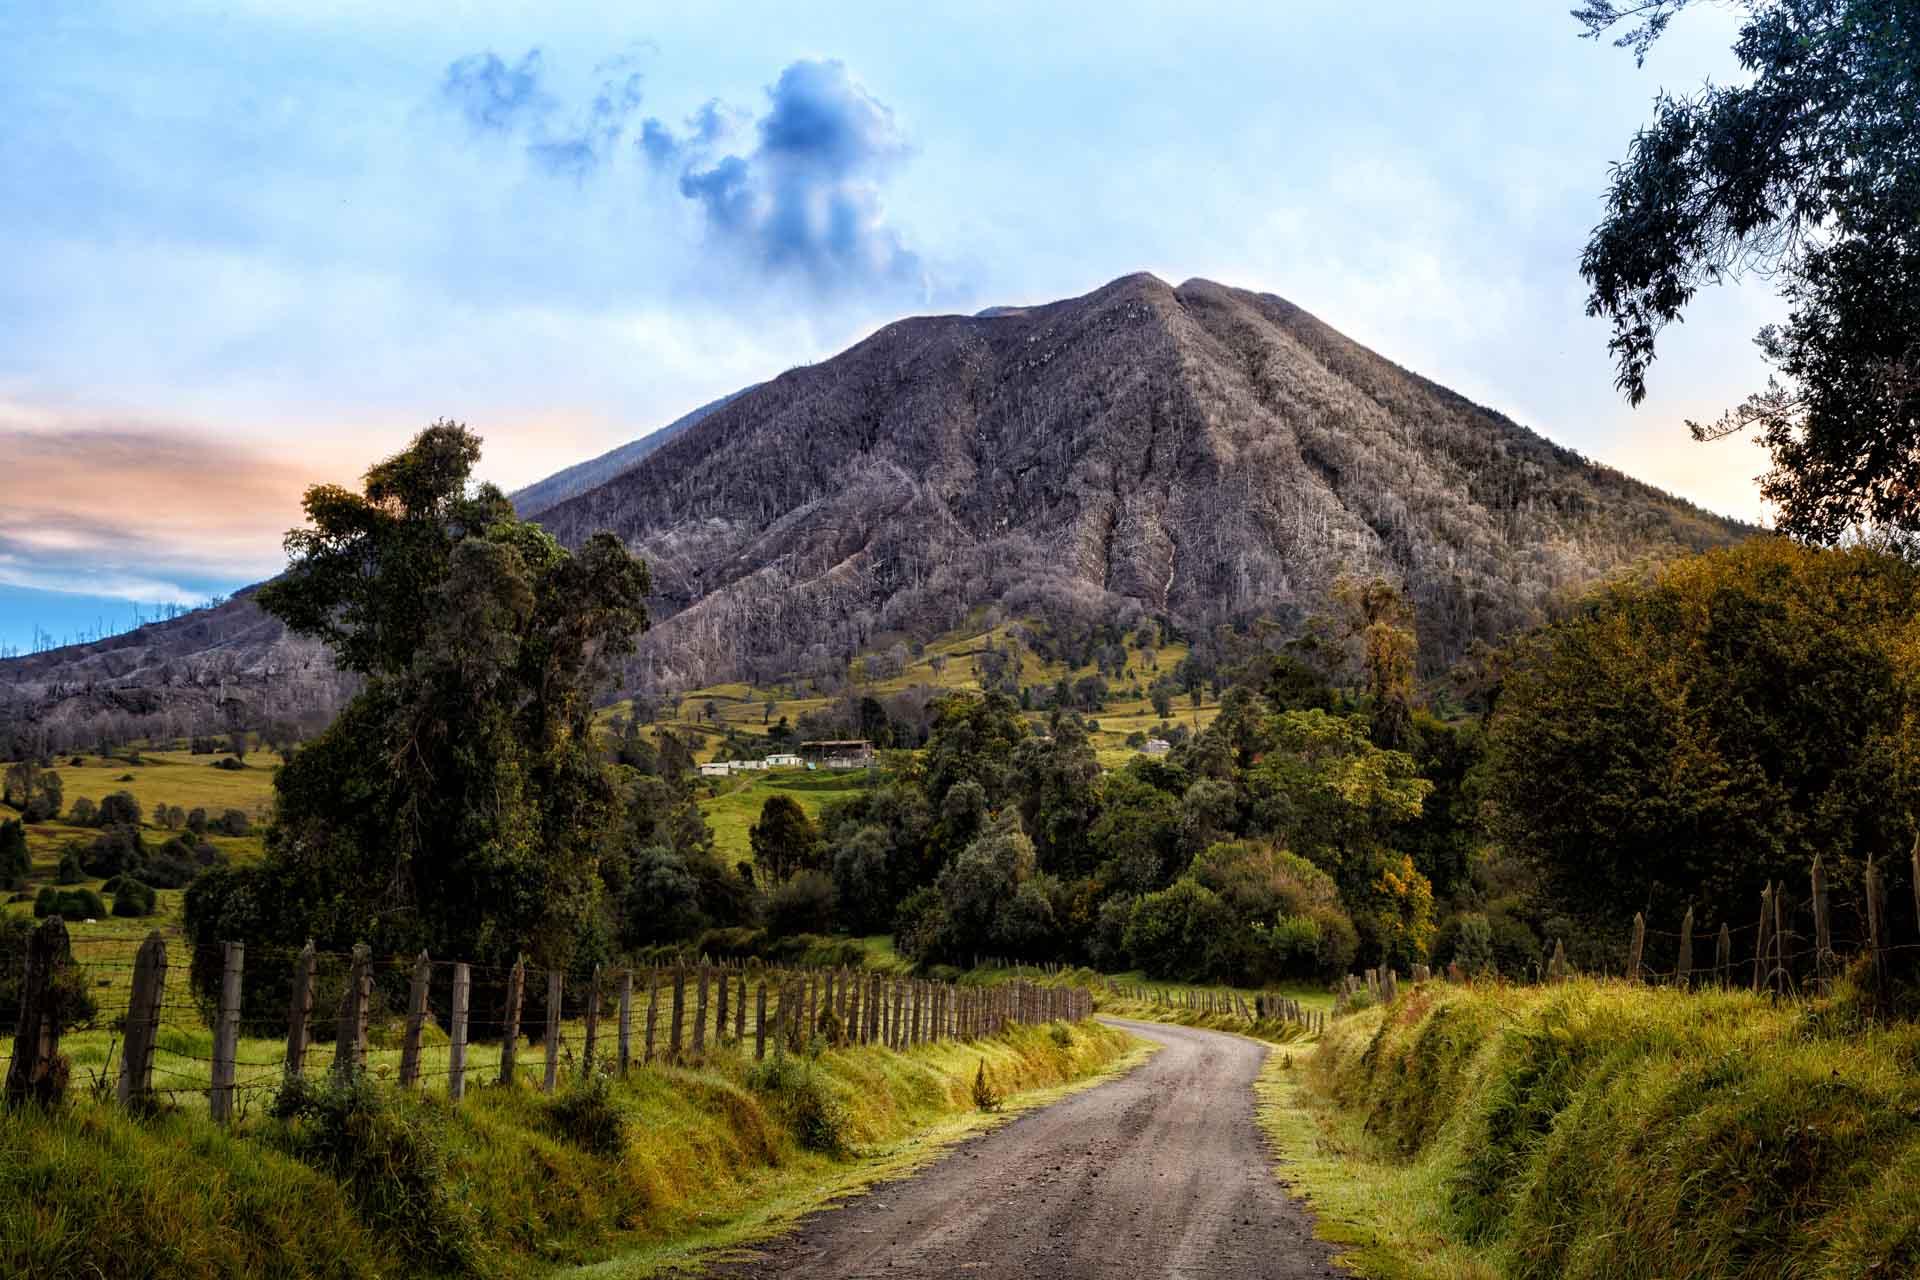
<point x="205" y="509"/>
<point x="516" y="101"/>
<point x="806" y="200"/>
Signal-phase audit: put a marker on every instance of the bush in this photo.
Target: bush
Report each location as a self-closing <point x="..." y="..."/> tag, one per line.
<point x="197" y="821"/>
<point x="985" y="1096"/>
<point x="69" y="904"/>
<point x="1172" y="933"/>
<point x="70" y="871"/>
<point x="586" y="1115"/>
<point x="800" y="1096"/>
<point x="229" y="763"/>
<point x="115" y="850"/>
<point x="236" y="823"/>
<point x="73" y="1001"/>
<point x="132" y="898"/>
<point x="803" y="904"/>
<point x="16" y="860"/>
<point x="391" y="1162"/>
<point x="83" y="813"/>
<point x="120" y="809"/>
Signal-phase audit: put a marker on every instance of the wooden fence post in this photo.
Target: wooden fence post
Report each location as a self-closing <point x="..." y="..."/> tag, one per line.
<point x="653" y="1010"/>
<point x="143" y="1020"/>
<point x="1638" y="947"/>
<point x="510" y="1042"/>
<point x="897" y="1031"/>
<point x="1782" y="955"/>
<point x="552" y="1076"/>
<point x="1723" y="956"/>
<point x="416" y="1021"/>
<point x="33" y="1071"/>
<point x="760" y="1023"/>
<point x="700" y="1015"/>
<point x="593" y="1024"/>
<point x="1876" y="927"/>
<point x="678" y="1024"/>
<point x="457" y="1032"/>
<point x="226" y="1032"/>
<point x="299" y="1012"/>
<point x="1761" y="940"/>
<point x="1683" y="974"/>
<point x="626" y="1021"/>
<point x="850" y="1023"/>
<point x="740" y="1013"/>
<point x="350" y="1036"/>
<point x="720" y="1015"/>
<point x="1822" y="922"/>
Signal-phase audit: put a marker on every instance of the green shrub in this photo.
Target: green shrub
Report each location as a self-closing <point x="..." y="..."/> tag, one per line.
<point x="132" y="898"/>
<point x="1061" y="1035"/>
<point x="69" y="904"/>
<point x="586" y="1115"/>
<point x="985" y="1096"/>
<point x="800" y="1096"/>
<point x="70" y="871"/>
<point x="389" y="1157"/>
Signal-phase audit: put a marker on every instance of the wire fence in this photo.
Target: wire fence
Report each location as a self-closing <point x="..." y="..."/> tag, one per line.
<point x="145" y="1019"/>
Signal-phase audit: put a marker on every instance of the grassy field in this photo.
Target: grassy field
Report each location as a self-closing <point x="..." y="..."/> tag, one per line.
<point x="735" y="803"/>
<point x="636" y="1177"/>
<point x="948" y="662"/>
<point x="1597" y="1129"/>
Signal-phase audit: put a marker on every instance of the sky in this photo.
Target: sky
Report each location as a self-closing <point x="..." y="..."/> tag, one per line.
<point x="247" y="247"/>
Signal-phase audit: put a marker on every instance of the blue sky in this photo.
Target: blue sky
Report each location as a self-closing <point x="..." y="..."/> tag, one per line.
<point x="245" y="247"/>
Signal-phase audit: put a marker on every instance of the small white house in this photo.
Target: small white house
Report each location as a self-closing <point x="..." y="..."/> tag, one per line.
<point x="783" y="760"/>
<point x="741" y="766"/>
<point x="1157" y="746"/>
<point x="718" y="769"/>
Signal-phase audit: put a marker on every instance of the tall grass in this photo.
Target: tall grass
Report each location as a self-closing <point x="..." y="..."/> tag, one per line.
<point x="507" y="1183"/>
<point x="1606" y="1130"/>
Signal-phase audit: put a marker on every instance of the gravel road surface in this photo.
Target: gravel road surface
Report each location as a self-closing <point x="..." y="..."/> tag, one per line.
<point x="1160" y="1173"/>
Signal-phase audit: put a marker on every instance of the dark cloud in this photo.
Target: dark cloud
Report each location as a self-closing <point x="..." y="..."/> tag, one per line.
<point x="496" y="98"/>
<point x="806" y="199"/>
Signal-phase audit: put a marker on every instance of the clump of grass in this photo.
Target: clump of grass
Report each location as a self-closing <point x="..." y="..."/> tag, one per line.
<point x="391" y="1160"/>
<point x="587" y="1115"/>
<point x="801" y="1095"/>
<point x="1598" y="1129"/>
<point x="1061" y="1035"/>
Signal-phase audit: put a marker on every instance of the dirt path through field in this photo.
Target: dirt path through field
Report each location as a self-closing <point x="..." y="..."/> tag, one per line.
<point x="1161" y="1173"/>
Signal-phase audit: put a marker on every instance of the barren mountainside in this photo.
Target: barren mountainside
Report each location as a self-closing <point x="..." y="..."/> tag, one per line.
<point x="1200" y="452"/>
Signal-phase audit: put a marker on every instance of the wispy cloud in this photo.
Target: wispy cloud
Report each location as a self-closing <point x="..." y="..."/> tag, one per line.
<point x="495" y="97"/>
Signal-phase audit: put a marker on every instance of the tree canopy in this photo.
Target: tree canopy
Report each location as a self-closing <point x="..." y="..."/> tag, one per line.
<point x="1809" y="173"/>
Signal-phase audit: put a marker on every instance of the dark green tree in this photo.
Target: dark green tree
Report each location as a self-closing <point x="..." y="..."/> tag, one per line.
<point x="458" y="803"/>
<point x="15" y="860"/>
<point x="784" y="840"/>
<point x="1805" y="171"/>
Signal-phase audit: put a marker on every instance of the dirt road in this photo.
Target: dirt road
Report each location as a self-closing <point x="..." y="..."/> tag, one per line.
<point x="1159" y="1173"/>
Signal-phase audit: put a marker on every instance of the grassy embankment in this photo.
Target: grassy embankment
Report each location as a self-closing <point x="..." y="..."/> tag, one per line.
<point x="1603" y="1130"/>
<point x="670" y="1161"/>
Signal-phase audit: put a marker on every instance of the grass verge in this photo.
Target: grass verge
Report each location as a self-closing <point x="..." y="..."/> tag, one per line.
<point x="509" y="1183"/>
<point x="1604" y="1130"/>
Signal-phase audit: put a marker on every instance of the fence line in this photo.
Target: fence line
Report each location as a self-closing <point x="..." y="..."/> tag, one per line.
<point x="696" y="1007"/>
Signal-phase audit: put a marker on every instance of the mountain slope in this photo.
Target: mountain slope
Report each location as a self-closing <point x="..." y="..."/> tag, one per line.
<point x="1202" y="452"/>
<point x="594" y="472"/>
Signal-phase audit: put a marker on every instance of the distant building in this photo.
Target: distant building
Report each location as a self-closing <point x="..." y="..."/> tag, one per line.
<point x="718" y="769"/>
<point x="850" y="753"/>
<point x="1157" y="746"/>
<point x="741" y="766"/>
<point x="784" y="760"/>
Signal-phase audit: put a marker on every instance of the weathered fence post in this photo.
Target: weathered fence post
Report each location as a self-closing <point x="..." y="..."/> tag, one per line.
<point x="700" y="1015"/>
<point x="1876" y="927"/>
<point x="720" y="1013"/>
<point x="226" y="1032"/>
<point x="677" y="1026"/>
<point x="653" y="1011"/>
<point x="510" y="1041"/>
<point x="850" y="1023"/>
<point x="1782" y="955"/>
<point x="626" y="1021"/>
<point x="457" y="1032"/>
<point x="1822" y="922"/>
<point x="299" y="1012"/>
<point x="1638" y="947"/>
<point x="1763" y="939"/>
<point x="593" y="1024"/>
<point x="740" y="1013"/>
<point x="1683" y="974"/>
<point x="416" y="1021"/>
<point x="143" y="1020"/>
<point x="552" y="1076"/>
<point x="760" y="1023"/>
<point x="34" y="1071"/>
<point x="350" y="1036"/>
